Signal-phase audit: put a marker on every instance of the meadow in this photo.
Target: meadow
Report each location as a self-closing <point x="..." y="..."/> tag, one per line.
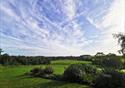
<point x="13" y="76"/>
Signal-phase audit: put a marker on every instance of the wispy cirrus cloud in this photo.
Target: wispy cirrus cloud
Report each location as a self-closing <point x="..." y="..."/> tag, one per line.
<point x="63" y="27"/>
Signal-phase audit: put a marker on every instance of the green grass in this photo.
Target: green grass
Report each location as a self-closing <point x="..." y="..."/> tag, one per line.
<point x="60" y="65"/>
<point x="13" y="76"/>
<point x="123" y="70"/>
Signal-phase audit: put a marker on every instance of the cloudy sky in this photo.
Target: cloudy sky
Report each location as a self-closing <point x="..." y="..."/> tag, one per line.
<point x="60" y="27"/>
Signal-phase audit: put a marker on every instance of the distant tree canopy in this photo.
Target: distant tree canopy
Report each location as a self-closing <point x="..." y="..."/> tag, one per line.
<point x="100" y="54"/>
<point x="5" y="59"/>
<point x="121" y="41"/>
<point x="111" y="54"/>
<point x="1" y="51"/>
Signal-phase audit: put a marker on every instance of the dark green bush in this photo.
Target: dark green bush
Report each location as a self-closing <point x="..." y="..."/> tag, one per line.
<point x="110" y="79"/>
<point x="37" y="72"/>
<point x="48" y="70"/>
<point x="41" y="72"/>
<point x="80" y="73"/>
<point x="109" y="62"/>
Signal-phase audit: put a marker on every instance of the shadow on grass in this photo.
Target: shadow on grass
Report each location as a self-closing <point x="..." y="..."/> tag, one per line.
<point x="60" y="84"/>
<point x="24" y="76"/>
<point x="49" y="83"/>
<point x="52" y="84"/>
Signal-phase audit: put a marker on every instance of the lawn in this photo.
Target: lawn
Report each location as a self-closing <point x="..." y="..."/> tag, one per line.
<point x="13" y="76"/>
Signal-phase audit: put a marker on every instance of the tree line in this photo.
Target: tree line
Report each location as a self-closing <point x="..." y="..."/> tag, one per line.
<point x="5" y="59"/>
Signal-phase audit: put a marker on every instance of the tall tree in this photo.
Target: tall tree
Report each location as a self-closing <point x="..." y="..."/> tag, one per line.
<point x="121" y="41"/>
<point x="1" y="51"/>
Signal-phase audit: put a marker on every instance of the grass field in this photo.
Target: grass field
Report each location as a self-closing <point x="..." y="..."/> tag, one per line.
<point x="12" y="76"/>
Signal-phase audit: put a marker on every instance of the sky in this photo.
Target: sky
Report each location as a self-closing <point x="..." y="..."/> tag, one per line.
<point x="60" y="27"/>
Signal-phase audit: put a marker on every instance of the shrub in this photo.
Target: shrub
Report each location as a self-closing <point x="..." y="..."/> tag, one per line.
<point x="80" y="73"/>
<point x="113" y="63"/>
<point x="109" y="62"/>
<point x="37" y="72"/>
<point x="110" y="79"/>
<point x="48" y="70"/>
<point x="40" y="72"/>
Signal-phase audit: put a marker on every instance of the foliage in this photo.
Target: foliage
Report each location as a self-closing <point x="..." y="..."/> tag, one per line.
<point x="113" y="62"/>
<point x="5" y="59"/>
<point x="48" y="70"/>
<point x="1" y="51"/>
<point x="111" y="79"/>
<point x="37" y="72"/>
<point x="121" y="41"/>
<point x="100" y="54"/>
<point x="41" y="72"/>
<point x="80" y="73"/>
<point x="85" y="57"/>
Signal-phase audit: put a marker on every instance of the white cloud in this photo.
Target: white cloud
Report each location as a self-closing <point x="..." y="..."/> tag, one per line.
<point x="113" y="23"/>
<point x="8" y="11"/>
<point x="69" y="7"/>
<point x="53" y="39"/>
<point x="116" y="17"/>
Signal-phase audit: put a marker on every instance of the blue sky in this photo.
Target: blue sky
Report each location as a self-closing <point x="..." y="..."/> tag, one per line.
<point x="60" y="27"/>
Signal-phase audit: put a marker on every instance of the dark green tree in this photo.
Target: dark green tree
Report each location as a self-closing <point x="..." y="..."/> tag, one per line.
<point x="121" y="41"/>
<point x="1" y="51"/>
<point x="100" y="54"/>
